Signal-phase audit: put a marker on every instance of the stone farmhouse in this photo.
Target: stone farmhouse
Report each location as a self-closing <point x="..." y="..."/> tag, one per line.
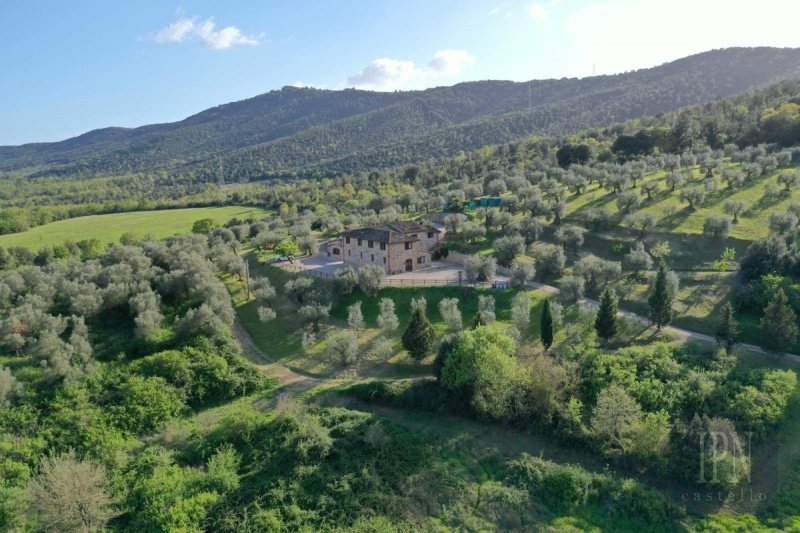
<point x="397" y="247"/>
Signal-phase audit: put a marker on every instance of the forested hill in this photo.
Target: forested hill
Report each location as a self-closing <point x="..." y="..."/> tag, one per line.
<point x="307" y="131"/>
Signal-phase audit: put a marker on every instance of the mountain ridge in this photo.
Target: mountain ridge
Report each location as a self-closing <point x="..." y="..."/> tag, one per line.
<point x="307" y="131"/>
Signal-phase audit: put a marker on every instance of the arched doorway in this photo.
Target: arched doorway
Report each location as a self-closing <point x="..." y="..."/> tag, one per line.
<point x="409" y="265"/>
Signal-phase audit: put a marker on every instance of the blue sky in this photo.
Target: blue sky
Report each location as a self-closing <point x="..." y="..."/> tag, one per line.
<point x="69" y="67"/>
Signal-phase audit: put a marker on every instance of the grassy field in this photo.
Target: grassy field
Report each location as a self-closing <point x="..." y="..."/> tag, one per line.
<point x="753" y="224"/>
<point x="109" y="228"/>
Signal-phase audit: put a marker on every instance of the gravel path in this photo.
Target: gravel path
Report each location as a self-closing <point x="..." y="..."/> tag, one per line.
<point x="285" y="376"/>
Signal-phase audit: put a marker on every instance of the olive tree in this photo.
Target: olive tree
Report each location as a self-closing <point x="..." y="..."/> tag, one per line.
<point x="651" y="187"/>
<point x="570" y="237"/>
<point x="345" y="279"/>
<point x="370" y="278"/>
<point x="486" y="308"/>
<point x="789" y="180"/>
<point x="637" y="259"/>
<point x="507" y="248"/>
<point x="342" y="347"/>
<point x="521" y="273"/>
<point x="735" y="208"/>
<point x="783" y="223"/>
<point x="572" y="288"/>
<point x="550" y="258"/>
<point x="355" y="318"/>
<point x="694" y="196"/>
<point x="717" y="227"/>
<point x="628" y="201"/>
<point x="387" y="318"/>
<point x="479" y="268"/>
<point x="448" y="309"/>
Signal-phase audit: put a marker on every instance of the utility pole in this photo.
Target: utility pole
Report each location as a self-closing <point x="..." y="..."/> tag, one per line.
<point x="247" y="277"/>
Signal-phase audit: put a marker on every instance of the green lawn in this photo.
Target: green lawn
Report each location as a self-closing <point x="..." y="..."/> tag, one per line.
<point x="109" y="228"/>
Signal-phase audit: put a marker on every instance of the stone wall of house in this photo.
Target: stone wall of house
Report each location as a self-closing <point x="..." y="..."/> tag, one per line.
<point x="427" y="243"/>
<point x="364" y="255"/>
<point x="394" y="258"/>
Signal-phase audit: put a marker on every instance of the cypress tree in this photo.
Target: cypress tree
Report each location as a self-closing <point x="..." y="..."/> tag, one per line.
<point x="661" y="299"/>
<point x="727" y="328"/>
<point x="479" y="321"/>
<point x="418" y="338"/>
<point x="605" y="323"/>
<point x="547" y="325"/>
<point x="779" y="325"/>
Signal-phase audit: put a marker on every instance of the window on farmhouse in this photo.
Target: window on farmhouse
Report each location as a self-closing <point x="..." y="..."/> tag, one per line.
<point x="408" y="245"/>
<point x="383" y="246"/>
<point x="430" y="235"/>
<point x="370" y="244"/>
<point x="421" y="259"/>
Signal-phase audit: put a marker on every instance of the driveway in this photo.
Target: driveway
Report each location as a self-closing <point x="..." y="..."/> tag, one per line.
<point x="439" y="273"/>
<point x="321" y="264"/>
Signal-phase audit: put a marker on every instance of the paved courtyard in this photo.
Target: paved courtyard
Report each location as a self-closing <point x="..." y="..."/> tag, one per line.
<point x="439" y="272"/>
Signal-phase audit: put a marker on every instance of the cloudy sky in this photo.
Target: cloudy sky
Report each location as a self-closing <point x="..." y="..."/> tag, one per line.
<point x="69" y="67"/>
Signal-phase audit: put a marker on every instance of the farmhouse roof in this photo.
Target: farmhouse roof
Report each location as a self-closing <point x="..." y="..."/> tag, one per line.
<point x="404" y="231"/>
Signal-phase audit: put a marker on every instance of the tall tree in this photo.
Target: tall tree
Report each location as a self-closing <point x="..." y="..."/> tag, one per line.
<point x="70" y="495"/>
<point x="661" y="298"/>
<point x="355" y="318"/>
<point x="547" y="325"/>
<point x="727" y="328"/>
<point x="418" y="338"/>
<point x="779" y="325"/>
<point x="605" y="323"/>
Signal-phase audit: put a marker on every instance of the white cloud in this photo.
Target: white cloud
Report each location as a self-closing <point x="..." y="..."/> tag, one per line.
<point x="206" y="31"/>
<point x="537" y="12"/>
<point x="176" y="32"/>
<point x="387" y="74"/>
<point x="451" y="61"/>
<point x="223" y="38"/>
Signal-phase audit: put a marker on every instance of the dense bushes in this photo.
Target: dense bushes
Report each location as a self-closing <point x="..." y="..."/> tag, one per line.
<point x="645" y="404"/>
<point x="570" y="486"/>
<point x="116" y="366"/>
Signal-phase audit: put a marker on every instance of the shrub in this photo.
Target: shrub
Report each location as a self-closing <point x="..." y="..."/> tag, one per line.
<point x="346" y="280"/>
<point x="370" y="278"/>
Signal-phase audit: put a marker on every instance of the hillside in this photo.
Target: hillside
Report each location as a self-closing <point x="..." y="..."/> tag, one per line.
<point x="309" y="131"/>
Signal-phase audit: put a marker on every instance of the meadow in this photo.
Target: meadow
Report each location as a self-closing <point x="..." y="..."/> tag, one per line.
<point x="109" y="228"/>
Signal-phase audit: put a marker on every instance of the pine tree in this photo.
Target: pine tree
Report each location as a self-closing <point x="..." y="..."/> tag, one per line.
<point x="779" y="325"/>
<point x="547" y="325"/>
<point x="727" y="328"/>
<point x="661" y="299"/>
<point x="605" y="323"/>
<point x="418" y="338"/>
